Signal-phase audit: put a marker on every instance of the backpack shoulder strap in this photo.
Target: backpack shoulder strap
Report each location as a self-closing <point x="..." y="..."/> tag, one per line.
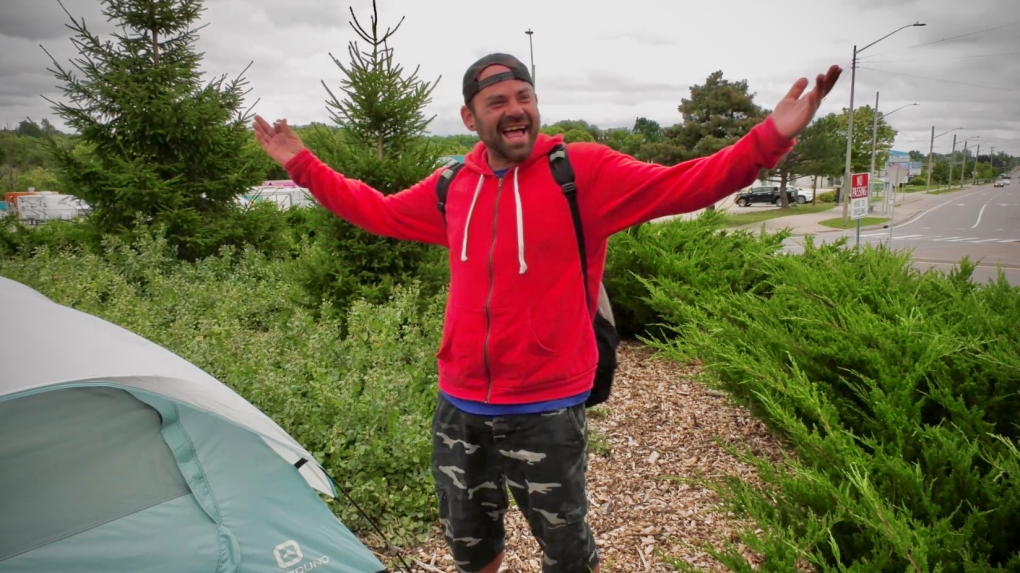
<point x="443" y="186"/>
<point x="563" y="174"/>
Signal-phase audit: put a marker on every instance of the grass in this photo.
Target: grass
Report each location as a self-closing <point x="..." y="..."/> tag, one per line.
<point x="837" y="222"/>
<point x="748" y="217"/>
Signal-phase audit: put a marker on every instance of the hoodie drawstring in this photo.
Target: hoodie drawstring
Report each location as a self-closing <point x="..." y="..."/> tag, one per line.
<point x="520" y="226"/>
<point x="478" y="190"/>
<point x="520" y="222"/>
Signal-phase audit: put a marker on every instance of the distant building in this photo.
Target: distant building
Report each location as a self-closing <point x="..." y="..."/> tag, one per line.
<point x="445" y="159"/>
<point x="901" y="161"/>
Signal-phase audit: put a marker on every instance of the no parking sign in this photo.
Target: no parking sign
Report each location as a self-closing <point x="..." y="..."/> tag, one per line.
<point x="860" y="191"/>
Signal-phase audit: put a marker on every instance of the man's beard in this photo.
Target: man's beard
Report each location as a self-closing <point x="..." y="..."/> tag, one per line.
<point x="515" y="151"/>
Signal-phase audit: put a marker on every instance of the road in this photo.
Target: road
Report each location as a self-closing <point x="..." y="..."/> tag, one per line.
<point x="982" y="224"/>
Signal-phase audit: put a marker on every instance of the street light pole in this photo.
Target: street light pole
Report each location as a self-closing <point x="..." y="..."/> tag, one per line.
<point x="963" y="170"/>
<point x="532" y="46"/>
<point x="931" y="147"/>
<point x="849" y="138"/>
<point x="952" y="160"/>
<point x="874" y="144"/>
<point x="850" y="117"/>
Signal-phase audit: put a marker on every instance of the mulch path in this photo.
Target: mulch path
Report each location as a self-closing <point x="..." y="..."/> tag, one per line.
<point x="654" y="439"/>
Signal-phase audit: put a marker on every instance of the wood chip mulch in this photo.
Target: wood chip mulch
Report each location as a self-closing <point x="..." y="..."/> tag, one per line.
<point x="653" y="441"/>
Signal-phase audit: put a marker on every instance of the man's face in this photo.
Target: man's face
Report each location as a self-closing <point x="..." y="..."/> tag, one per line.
<point x="505" y="115"/>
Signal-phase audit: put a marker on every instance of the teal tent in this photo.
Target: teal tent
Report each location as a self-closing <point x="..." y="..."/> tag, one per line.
<point x="118" y="455"/>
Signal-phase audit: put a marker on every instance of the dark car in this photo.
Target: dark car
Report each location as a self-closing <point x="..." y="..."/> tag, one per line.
<point x="767" y="194"/>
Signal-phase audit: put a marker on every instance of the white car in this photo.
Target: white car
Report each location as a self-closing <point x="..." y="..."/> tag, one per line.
<point x="1001" y="183"/>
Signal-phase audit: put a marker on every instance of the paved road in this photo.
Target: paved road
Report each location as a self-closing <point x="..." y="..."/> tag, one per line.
<point x="983" y="224"/>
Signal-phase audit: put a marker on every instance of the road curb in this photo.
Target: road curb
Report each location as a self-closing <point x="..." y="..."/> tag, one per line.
<point x="1011" y="266"/>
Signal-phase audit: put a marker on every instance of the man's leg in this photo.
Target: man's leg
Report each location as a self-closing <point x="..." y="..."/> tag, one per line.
<point x="544" y="458"/>
<point x="470" y="487"/>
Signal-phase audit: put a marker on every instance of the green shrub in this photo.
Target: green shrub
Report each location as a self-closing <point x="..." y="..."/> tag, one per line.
<point x="342" y="263"/>
<point x="827" y="197"/>
<point x="361" y="403"/>
<point x="897" y="392"/>
<point x="19" y="239"/>
<point x="917" y="180"/>
<point x="692" y="259"/>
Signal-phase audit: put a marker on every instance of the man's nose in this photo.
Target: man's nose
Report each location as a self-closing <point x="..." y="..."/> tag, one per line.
<point x="515" y="110"/>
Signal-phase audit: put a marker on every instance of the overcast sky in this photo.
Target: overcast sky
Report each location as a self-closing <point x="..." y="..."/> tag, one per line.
<point x="605" y="65"/>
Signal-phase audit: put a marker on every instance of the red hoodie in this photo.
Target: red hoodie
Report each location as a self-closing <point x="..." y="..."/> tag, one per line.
<point x="516" y="328"/>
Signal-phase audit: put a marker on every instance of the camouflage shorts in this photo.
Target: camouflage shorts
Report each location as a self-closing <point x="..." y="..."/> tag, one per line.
<point x="541" y="457"/>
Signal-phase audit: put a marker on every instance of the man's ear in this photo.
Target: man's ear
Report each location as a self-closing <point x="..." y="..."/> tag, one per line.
<point x="467" y="117"/>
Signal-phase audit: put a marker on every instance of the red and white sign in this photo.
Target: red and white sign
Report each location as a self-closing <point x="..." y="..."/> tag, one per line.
<point x="860" y="191"/>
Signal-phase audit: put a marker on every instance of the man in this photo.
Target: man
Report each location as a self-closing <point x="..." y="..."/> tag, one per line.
<point x="518" y="354"/>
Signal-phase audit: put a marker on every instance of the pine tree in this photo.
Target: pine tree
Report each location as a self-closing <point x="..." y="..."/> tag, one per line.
<point x="717" y="114"/>
<point x="380" y="140"/>
<point x="165" y="146"/>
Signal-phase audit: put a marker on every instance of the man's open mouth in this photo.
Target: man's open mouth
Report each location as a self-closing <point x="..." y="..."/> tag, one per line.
<point x="515" y="132"/>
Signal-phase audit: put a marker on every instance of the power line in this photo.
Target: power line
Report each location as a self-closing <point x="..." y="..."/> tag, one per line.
<point x="946" y="39"/>
<point x="965" y="35"/>
<point x="936" y="79"/>
<point x="942" y="58"/>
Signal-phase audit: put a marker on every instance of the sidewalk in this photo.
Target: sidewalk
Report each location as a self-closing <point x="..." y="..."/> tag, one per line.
<point x="908" y="206"/>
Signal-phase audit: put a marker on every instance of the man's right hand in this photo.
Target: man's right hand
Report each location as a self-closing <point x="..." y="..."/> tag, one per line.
<point x="278" y="140"/>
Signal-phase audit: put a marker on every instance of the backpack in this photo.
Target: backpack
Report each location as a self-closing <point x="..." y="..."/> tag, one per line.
<point x="607" y="338"/>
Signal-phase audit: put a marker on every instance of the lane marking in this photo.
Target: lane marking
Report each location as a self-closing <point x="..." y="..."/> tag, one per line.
<point x="923" y="213"/>
<point x="980" y="213"/>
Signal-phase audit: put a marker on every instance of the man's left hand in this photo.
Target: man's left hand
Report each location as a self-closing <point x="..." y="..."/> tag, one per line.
<point x="794" y="112"/>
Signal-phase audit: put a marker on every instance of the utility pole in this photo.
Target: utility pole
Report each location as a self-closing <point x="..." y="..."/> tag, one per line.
<point x="977" y="159"/>
<point x="874" y="139"/>
<point x="991" y="160"/>
<point x="874" y="136"/>
<point x="931" y="146"/>
<point x="963" y="168"/>
<point x="952" y="160"/>
<point x="532" y="46"/>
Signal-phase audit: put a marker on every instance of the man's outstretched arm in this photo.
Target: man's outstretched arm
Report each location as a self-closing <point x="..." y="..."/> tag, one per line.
<point x="620" y="191"/>
<point x="408" y="215"/>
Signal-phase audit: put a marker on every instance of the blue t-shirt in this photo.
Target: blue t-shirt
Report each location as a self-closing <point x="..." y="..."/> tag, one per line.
<point x="483" y="409"/>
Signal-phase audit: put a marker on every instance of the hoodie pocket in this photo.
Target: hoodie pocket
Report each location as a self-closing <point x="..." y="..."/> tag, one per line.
<point x="515" y="351"/>
<point x="461" y="354"/>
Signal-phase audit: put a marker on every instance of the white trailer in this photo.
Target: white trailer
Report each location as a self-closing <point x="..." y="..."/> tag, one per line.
<point x="49" y="206"/>
<point x="285" y="194"/>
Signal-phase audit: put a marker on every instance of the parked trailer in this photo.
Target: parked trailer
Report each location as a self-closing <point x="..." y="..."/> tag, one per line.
<point x="284" y="193"/>
<point x="48" y="206"/>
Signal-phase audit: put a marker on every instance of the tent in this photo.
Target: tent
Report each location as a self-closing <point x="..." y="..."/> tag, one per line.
<point x="118" y="455"/>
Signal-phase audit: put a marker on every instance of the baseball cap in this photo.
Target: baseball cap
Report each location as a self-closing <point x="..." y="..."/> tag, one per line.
<point x="518" y="71"/>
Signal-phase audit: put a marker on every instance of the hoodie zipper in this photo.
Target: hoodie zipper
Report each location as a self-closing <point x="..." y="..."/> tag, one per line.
<point x="488" y="297"/>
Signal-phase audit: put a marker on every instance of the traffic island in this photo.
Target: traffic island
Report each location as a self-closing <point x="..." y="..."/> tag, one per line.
<point x="752" y="217"/>
<point x="838" y="223"/>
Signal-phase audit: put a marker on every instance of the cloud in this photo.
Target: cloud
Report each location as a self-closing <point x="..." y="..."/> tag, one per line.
<point x="606" y="67"/>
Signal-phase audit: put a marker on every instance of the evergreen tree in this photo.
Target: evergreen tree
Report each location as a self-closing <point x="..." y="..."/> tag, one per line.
<point x="716" y="115"/>
<point x="817" y="152"/>
<point x="163" y="145"/>
<point x="381" y="142"/>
